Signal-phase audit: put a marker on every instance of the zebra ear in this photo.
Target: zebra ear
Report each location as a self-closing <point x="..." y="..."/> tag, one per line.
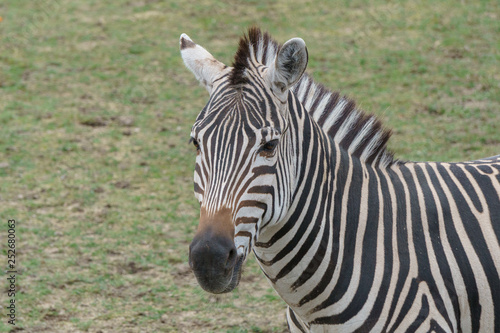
<point x="290" y="64"/>
<point x="199" y="61"/>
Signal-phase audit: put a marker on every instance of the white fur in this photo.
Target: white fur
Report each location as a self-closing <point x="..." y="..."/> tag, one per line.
<point x="203" y="65"/>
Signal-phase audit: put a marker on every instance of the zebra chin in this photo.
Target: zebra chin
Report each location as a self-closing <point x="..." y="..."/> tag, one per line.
<point x="219" y="282"/>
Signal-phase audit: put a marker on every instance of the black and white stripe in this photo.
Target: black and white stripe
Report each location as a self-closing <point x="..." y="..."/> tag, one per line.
<point x="350" y="238"/>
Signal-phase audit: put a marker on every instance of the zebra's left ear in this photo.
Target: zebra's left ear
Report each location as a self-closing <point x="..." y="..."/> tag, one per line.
<point x="199" y="61"/>
<point x="290" y="64"/>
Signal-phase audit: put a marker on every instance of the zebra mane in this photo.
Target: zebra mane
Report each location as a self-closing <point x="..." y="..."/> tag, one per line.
<point x="358" y="132"/>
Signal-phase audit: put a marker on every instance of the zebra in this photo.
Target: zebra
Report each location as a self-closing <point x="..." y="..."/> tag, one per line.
<point x="351" y="238"/>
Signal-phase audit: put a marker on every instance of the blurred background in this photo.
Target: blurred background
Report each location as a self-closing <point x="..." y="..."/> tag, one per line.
<point x="96" y="109"/>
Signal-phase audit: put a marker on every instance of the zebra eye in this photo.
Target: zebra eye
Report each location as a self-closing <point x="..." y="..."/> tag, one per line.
<point x="269" y="146"/>
<point x="195" y="143"/>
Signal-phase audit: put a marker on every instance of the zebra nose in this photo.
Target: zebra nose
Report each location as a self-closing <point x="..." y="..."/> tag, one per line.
<point x="212" y="252"/>
<point x="212" y="259"/>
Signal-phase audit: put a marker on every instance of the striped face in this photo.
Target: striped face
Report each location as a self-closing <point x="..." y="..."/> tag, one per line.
<point x="235" y="173"/>
<point x="238" y="146"/>
<point x="241" y="142"/>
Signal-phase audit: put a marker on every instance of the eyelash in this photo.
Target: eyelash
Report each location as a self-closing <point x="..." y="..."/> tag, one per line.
<point x="195" y="143"/>
<point x="269" y="147"/>
<point x="266" y="148"/>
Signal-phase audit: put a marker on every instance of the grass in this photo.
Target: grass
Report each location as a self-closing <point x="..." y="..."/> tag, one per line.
<point x="96" y="110"/>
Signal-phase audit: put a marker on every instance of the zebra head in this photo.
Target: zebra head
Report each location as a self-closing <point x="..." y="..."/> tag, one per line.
<point x="242" y="146"/>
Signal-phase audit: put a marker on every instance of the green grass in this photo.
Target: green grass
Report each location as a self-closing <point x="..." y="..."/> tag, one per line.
<point x="96" y="109"/>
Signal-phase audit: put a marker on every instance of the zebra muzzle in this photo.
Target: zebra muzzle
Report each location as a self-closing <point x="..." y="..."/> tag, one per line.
<point x="215" y="262"/>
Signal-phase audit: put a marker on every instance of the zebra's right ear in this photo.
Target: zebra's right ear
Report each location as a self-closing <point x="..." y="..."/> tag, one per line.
<point x="199" y="61"/>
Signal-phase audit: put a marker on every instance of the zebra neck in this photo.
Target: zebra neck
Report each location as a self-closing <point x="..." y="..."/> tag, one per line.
<point x="313" y="253"/>
<point x="359" y="133"/>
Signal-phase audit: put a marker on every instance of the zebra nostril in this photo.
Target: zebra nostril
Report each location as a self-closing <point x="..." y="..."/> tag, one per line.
<point x="231" y="259"/>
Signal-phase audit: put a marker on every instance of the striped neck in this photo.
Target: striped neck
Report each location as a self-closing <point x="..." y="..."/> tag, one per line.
<point x="311" y="236"/>
<point x="360" y="134"/>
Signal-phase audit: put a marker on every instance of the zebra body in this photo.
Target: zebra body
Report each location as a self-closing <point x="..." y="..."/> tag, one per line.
<point x="350" y="238"/>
